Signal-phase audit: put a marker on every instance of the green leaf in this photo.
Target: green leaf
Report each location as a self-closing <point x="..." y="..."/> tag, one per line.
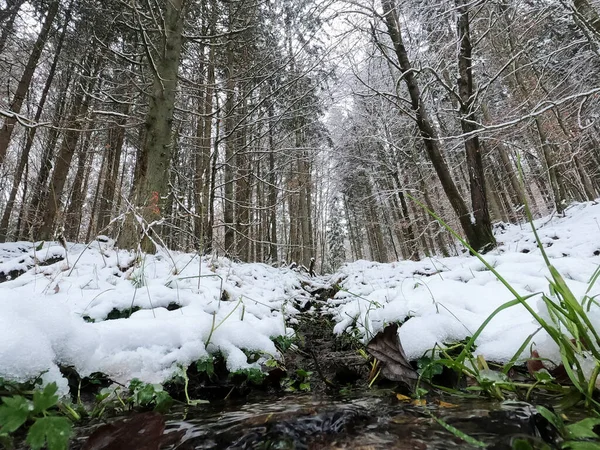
<point x="145" y="395"/>
<point x="135" y="384"/>
<point x="583" y="429"/>
<point x="521" y="444"/>
<point x="14" y="413"/>
<point x="581" y="445"/>
<point x="163" y="402"/>
<point x="42" y="400"/>
<point x="206" y="365"/>
<point x="543" y="376"/>
<point x="428" y="368"/>
<point x="55" y="431"/>
<point x="552" y="418"/>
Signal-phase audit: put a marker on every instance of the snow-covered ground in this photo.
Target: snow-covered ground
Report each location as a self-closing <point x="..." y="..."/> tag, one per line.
<point x="447" y="299"/>
<point x="42" y="312"/>
<point x="56" y="314"/>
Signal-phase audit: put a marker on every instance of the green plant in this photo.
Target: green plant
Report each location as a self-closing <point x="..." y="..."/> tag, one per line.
<point x="206" y="365"/>
<point x="569" y="326"/>
<point x="49" y="426"/>
<point x="299" y="381"/>
<point x="579" y="435"/>
<point x="369" y="334"/>
<point x="214" y="327"/>
<point x="146" y="395"/>
<point x="137" y="395"/>
<point x="283" y="342"/>
<point x="251" y="375"/>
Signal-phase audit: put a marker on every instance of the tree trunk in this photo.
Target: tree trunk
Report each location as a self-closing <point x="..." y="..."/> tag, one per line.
<point x="230" y="150"/>
<point x="31" y="132"/>
<point x="25" y="81"/>
<point x="482" y="227"/>
<point x="7" y="20"/>
<point x="152" y="188"/>
<point x="477" y="235"/>
<point x="62" y="164"/>
<point x="587" y="14"/>
<point x="114" y="148"/>
<point x="74" y="212"/>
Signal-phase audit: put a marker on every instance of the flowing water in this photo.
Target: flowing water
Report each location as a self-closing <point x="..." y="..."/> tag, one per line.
<point x="368" y="422"/>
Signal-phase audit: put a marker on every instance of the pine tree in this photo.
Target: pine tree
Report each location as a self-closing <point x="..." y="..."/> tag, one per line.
<point x="336" y="236"/>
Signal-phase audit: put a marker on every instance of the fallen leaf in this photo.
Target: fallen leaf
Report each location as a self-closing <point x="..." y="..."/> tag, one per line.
<point x="386" y="347"/>
<point x="447" y="405"/>
<point x="403" y="398"/>
<point x="534" y="364"/>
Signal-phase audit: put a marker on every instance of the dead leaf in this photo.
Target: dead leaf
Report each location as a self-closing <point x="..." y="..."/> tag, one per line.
<point x="534" y="364"/>
<point x="403" y="398"/>
<point x="386" y="347"/>
<point x="447" y="405"/>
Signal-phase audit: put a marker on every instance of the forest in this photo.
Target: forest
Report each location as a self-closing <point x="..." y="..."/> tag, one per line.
<point x="169" y="168"/>
<point x="280" y="131"/>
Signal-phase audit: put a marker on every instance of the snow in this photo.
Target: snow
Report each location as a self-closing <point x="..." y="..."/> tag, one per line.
<point x="42" y="323"/>
<point x="445" y="300"/>
<point x="55" y="313"/>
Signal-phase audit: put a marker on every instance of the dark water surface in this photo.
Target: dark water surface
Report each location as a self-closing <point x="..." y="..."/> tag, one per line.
<point x="375" y="421"/>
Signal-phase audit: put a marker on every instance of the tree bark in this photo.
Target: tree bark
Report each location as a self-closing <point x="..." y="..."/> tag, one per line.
<point x="152" y="188"/>
<point x="79" y="110"/>
<point x="483" y="225"/>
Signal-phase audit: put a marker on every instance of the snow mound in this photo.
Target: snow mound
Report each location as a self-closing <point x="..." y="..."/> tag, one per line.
<point x="56" y="315"/>
<point x="444" y="300"/>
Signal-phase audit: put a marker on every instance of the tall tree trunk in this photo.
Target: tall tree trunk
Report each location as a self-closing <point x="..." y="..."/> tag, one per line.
<point x="477" y="235"/>
<point x="203" y="155"/>
<point x="79" y="110"/>
<point x="468" y="119"/>
<point x="74" y="211"/>
<point x="273" y="252"/>
<point x="242" y="187"/>
<point x="40" y="194"/>
<point x="151" y="191"/>
<point x="31" y="132"/>
<point x="7" y="20"/>
<point x="116" y="139"/>
<point x="25" y="81"/>
<point x="230" y="150"/>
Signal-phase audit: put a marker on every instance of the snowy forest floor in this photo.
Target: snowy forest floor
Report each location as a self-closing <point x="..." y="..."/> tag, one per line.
<point x="95" y="309"/>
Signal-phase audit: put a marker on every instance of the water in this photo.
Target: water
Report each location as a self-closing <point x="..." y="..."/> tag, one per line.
<point x="375" y="421"/>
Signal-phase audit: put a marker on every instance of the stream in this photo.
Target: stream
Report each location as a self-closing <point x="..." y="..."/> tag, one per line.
<point x="372" y="420"/>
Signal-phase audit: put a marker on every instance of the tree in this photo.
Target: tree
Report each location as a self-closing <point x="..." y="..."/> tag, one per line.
<point x="151" y="187"/>
<point x="478" y="233"/>
<point x="336" y="236"/>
